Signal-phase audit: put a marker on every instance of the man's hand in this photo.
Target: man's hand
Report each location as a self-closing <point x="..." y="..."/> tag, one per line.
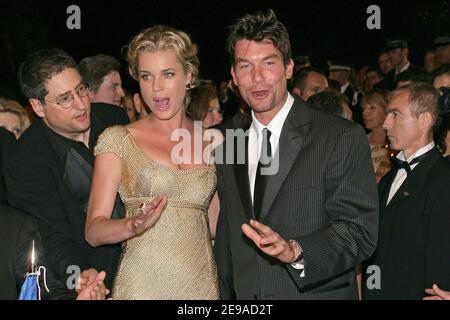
<point x="269" y="242"/>
<point x="96" y="290"/>
<point x="148" y="215"/>
<point x="437" y="293"/>
<point x="86" y="278"/>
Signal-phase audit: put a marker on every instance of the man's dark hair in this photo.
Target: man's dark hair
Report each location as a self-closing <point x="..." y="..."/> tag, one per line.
<point x="39" y="67"/>
<point x="329" y="102"/>
<point x="258" y="27"/>
<point x="300" y="76"/>
<point x="94" y="69"/>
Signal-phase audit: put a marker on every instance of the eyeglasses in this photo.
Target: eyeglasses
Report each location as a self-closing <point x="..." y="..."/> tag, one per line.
<point x="66" y="100"/>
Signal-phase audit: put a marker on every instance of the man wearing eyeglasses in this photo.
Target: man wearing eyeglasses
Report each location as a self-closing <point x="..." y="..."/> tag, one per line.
<point x="48" y="174"/>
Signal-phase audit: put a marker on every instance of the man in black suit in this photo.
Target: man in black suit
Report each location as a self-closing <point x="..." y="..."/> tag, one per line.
<point x="414" y="238"/>
<point x="48" y="174"/>
<point x="398" y="51"/>
<point x="314" y="212"/>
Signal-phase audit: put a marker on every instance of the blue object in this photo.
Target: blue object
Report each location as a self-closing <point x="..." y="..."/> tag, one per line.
<point x="29" y="290"/>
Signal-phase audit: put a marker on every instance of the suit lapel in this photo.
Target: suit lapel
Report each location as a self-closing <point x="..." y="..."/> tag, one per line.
<point x="77" y="177"/>
<point x="385" y="187"/>
<point x="402" y="193"/>
<point x="293" y="134"/>
<point x="241" y="176"/>
<point x="77" y="172"/>
<point x="417" y="178"/>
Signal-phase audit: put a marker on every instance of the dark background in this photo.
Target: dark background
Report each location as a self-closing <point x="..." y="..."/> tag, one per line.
<point x="323" y="29"/>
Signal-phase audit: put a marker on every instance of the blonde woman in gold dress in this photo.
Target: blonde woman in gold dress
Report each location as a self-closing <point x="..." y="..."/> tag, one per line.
<point x="167" y="252"/>
<point x="374" y="112"/>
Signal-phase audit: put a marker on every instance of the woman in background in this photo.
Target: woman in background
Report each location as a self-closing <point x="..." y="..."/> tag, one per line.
<point x="13" y="117"/>
<point x="374" y="112"/>
<point x="204" y="105"/>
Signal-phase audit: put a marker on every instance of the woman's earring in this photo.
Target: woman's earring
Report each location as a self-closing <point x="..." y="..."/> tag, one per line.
<point x="188" y="86"/>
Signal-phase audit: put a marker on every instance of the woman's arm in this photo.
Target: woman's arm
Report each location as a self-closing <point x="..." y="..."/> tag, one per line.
<point x="100" y="228"/>
<point x="213" y="214"/>
<point x="212" y="139"/>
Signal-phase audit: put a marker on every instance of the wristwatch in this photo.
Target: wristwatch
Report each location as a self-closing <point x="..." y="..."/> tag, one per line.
<point x="298" y="263"/>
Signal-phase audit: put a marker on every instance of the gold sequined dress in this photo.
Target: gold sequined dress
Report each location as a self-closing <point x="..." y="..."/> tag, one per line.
<point x="173" y="259"/>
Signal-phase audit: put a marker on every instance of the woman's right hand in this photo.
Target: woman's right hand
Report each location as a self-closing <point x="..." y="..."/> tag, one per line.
<point x="148" y="215"/>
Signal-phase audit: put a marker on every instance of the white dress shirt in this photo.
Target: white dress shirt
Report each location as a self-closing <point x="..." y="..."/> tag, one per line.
<point x="255" y="139"/>
<point x="401" y="173"/>
<point x="405" y="67"/>
<point x="344" y="87"/>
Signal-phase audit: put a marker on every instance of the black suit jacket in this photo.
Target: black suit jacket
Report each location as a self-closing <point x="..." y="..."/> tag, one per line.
<point x="324" y="196"/>
<point x="7" y="142"/>
<point x="413" y="249"/>
<point x="390" y="80"/>
<point x="110" y="114"/>
<point x="18" y="230"/>
<point x="238" y="121"/>
<point x="53" y="185"/>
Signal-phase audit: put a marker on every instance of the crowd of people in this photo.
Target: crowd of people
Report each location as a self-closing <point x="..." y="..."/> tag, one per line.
<point x="303" y="182"/>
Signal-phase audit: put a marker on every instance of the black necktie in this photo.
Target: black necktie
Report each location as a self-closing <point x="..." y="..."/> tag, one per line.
<point x="399" y="164"/>
<point x="265" y="159"/>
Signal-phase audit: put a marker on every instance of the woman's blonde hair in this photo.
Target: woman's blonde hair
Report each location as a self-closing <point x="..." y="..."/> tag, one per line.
<point x="378" y="97"/>
<point x="14" y="107"/>
<point x="158" y="38"/>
